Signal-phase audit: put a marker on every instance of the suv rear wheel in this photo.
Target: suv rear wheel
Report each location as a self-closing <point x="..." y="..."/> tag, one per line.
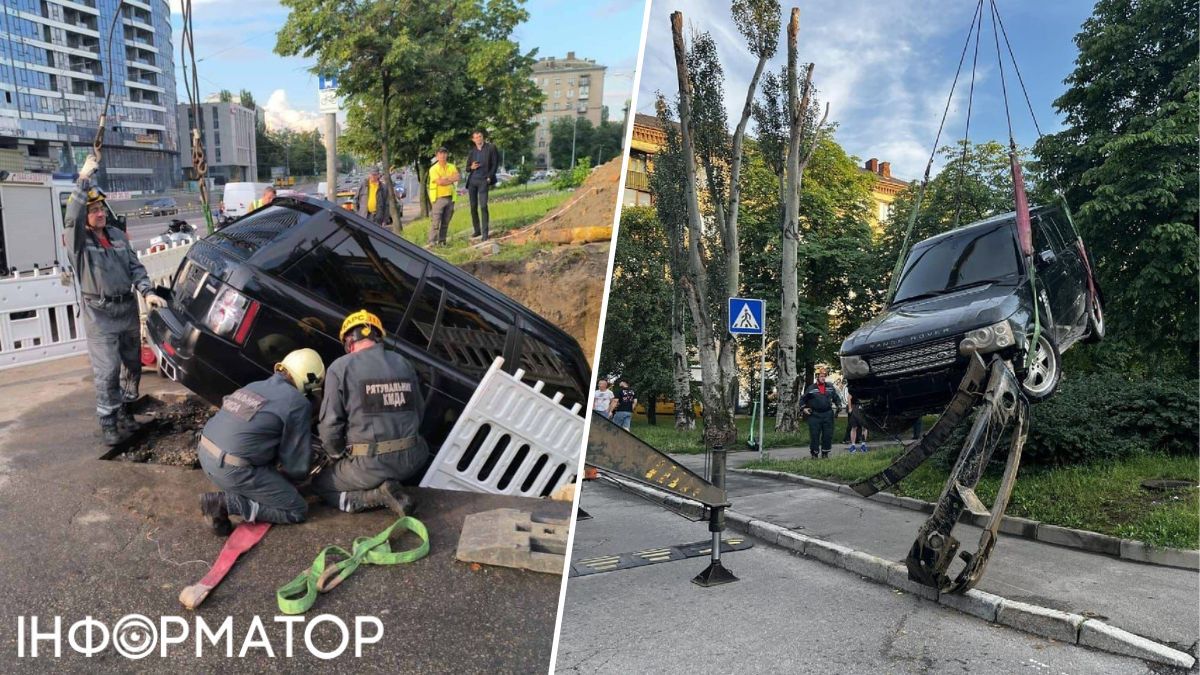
<point x="1095" y="320"/>
<point x="1044" y="371"/>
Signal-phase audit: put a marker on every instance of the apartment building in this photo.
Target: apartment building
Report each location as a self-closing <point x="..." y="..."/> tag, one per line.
<point x="227" y="132"/>
<point x="574" y="87"/>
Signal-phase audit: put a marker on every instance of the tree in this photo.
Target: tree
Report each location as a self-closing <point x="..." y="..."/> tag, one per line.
<point x="246" y="99"/>
<point x="636" y="341"/>
<point x="225" y="96"/>
<point x="704" y="139"/>
<point x="417" y="75"/>
<point x="1127" y="161"/>
<point x="570" y="138"/>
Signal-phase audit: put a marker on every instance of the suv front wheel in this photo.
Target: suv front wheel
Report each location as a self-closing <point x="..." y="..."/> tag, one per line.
<point x="1095" y="320"/>
<point x="1041" y="379"/>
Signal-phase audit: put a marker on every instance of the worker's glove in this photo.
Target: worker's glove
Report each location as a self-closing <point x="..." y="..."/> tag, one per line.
<point x="89" y="167"/>
<point x="155" y="301"/>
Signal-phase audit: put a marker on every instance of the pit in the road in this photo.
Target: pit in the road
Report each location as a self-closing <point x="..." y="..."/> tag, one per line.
<point x="169" y="434"/>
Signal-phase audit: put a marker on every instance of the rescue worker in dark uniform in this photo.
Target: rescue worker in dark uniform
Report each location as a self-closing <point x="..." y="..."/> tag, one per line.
<point x="370" y="418"/>
<point x="258" y="426"/>
<point x="822" y="402"/>
<point x="108" y="272"/>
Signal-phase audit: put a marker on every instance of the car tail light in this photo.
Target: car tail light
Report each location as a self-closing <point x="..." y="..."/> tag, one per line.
<point x="231" y="315"/>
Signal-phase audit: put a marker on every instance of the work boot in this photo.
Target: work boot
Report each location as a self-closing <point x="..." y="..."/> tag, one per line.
<point x="389" y="494"/>
<point x="126" y="423"/>
<point x="824" y="454"/>
<point x="216" y="513"/>
<point x="815" y="454"/>
<point x="110" y="432"/>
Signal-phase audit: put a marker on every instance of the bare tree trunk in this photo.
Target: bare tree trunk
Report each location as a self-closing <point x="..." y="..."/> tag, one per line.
<point x="422" y="165"/>
<point x="787" y="413"/>
<point x="681" y="371"/>
<point x="386" y="169"/>
<point x="718" y="417"/>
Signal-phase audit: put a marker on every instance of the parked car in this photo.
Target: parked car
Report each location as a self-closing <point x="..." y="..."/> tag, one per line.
<point x="286" y="276"/>
<point x="964" y="292"/>
<point x="164" y="206"/>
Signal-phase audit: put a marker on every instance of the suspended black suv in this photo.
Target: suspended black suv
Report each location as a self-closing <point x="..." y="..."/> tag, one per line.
<point x="964" y="292"/>
<point x="285" y="276"/>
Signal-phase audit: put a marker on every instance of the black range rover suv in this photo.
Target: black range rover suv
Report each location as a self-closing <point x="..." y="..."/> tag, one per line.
<point x="286" y="275"/>
<point x="967" y="291"/>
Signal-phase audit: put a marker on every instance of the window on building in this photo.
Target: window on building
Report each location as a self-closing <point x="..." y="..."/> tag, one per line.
<point x="557" y="93"/>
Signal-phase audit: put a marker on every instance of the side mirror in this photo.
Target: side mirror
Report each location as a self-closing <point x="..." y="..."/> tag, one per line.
<point x="1045" y="259"/>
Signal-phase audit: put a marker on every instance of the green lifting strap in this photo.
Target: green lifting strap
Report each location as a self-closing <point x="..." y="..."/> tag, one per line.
<point x="298" y="595"/>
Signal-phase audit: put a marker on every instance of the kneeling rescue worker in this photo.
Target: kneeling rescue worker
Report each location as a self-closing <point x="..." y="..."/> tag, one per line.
<point x="370" y="419"/>
<point x="108" y="271"/>
<point x="258" y="426"/>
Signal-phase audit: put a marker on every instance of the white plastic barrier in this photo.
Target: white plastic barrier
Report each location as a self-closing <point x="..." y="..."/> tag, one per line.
<point x="38" y="319"/>
<point x="39" y="316"/>
<point x="511" y="439"/>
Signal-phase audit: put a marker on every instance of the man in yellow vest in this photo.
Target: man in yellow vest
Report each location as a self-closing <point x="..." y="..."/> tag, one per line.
<point x="443" y="177"/>
<point x="371" y="202"/>
<point x="267" y="197"/>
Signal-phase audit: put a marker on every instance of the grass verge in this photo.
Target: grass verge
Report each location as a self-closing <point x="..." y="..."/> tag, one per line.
<point x="505" y="215"/>
<point x="664" y="437"/>
<point x="1104" y="497"/>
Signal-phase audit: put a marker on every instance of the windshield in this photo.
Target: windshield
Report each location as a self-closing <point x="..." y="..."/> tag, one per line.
<point x="956" y="262"/>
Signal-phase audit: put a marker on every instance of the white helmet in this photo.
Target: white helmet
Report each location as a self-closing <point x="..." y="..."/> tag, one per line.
<point x="304" y="368"/>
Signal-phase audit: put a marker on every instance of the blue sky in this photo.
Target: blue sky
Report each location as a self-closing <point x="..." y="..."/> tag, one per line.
<point x="886" y="67"/>
<point x="235" y="41"/>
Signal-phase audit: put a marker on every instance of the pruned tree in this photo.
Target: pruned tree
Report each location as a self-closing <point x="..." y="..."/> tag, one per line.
<point x="703" y="142"/>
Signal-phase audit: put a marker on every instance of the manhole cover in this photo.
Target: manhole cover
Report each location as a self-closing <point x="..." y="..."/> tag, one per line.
<point x="169" y="434"/>
<point x="1163" y="485"/>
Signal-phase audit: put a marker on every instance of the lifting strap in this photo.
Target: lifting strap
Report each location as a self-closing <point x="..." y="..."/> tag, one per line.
<point x="299" y="594"/>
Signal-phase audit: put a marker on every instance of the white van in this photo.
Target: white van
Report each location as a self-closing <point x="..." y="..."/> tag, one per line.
<point x="240" y="197"/>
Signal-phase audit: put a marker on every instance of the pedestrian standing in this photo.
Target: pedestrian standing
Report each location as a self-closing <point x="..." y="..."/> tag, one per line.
<point x="623" y="404"/>
<point x="482" y="163"/>
<point x="602" y="399"/>
<point x="259" y="427"/>
<point x="108" y="272"/>
<point x="856" y="425"/>
<point x="443" y="177"/>
<point x="371" y="201"/>
<point x="822" y="402"/>
<point x="267" y="197"/>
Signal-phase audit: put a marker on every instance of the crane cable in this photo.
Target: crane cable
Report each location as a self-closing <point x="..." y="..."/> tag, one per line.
<point x="98" y="141"/>
<point x="187" y="54"/>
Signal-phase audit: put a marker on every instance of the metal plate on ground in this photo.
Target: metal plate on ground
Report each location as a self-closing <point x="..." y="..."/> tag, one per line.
<point x="624" y="561"/>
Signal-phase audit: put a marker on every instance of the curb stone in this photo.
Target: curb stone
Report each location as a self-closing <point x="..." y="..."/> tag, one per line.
<point x="1051" y="623"/>
<point x="1084" y="540"/>
<point x="1064" y="626"/>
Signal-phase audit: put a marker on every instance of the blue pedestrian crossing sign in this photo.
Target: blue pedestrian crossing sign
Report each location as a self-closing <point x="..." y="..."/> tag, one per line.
<point x="746" y="316"/>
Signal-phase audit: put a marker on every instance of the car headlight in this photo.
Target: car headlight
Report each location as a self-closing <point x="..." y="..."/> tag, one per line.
<point x="987" y="339"/>
<point x="855" y="366"/>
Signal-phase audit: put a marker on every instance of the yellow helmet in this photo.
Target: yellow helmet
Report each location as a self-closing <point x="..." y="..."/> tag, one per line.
<point x="95" y="196"/>
<point x="361" y="318"/>
<point x="304" y="368"/>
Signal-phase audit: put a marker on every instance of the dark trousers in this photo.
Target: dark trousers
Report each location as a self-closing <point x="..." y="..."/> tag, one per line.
<point x="820" y="432"/>
<point x="347" y="479"/>
<point x="477" y="190"/>
<point x="114" y="346"/>
<point x="256" y="493"/>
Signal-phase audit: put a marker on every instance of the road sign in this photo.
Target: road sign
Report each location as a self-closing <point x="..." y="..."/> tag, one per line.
<point x="746" y="316"/>
<point x="327" y="98"/>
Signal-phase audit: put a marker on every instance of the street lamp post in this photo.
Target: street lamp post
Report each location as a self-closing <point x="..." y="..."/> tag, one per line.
<point x="574" y="125"/>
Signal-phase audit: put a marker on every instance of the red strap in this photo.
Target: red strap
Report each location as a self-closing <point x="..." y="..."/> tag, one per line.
<point x="244" y="537"/>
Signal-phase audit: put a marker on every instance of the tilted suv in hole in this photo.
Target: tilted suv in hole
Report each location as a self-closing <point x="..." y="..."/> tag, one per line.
<point x="286" y="275"/>
<point x="964" y="292"/>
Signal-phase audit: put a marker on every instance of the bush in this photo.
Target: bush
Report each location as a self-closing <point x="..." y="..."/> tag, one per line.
<point x="573" y="178"/>
<point x="1104" y="416"/>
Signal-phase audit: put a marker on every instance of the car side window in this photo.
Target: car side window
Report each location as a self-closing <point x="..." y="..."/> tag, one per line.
<point x="1050" y="231"/>
<point x="422" y="316"/>
<point x="275" y="335"/>
<point x="469" y="336"/>
<point x="359" y="273"/>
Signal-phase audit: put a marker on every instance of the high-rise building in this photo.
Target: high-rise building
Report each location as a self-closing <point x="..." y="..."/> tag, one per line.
<point x="227" y="131"/>
<point x="57" y="64"/>
<point x="573" y="87"/>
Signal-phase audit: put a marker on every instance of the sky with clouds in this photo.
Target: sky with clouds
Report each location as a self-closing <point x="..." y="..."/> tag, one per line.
<point x="235" y="40"/>
<point x="885" y="68"/>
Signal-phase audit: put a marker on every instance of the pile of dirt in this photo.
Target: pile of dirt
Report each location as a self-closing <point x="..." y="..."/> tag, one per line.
<point x="171" y="435"/>
<point x="586" y="216"/>
<point x="564" y="284"/>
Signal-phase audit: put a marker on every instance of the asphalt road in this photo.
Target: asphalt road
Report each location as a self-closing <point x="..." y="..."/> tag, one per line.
<point x="83" y="537"/>
<point x="786" y="614"/>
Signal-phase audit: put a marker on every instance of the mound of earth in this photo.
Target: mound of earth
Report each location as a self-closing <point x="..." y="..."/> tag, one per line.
<point x="564" y="284"/>
<point x="585" y="217"/>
